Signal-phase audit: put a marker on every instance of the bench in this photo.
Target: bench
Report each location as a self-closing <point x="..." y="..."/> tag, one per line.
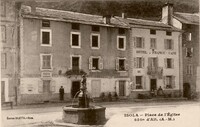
<point x="8" y="102"/>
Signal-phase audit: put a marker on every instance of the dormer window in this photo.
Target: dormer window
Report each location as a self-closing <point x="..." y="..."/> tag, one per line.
<point x="168" y="33"/>
<point x="95" y="28"/>
<point x="121" y="31"/>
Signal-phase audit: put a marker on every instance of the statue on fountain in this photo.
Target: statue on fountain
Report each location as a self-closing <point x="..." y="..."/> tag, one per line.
<point x="83" y="97"/>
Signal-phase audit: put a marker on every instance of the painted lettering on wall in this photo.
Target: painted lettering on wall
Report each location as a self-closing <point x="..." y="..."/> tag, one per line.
<point x="156" y="52"/>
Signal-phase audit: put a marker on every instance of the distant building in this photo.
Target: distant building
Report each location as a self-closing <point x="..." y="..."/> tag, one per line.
<point x="189" y="23"/>
<point x="154" y="57"/>
<point x="9" y="51"/>
<point x="57" y="47"/>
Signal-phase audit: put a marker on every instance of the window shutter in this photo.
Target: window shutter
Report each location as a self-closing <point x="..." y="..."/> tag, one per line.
<point x="143" y="44"/>
<point x="126" y="64"/>
<point x="144" y="82"/>
<point x="191" y="69"/>
<point x="149" y="62"/>
<point x="53" y="86"/>
<point x="165" y="62"/>
<point x="100" y="63"/>
<point x="135" y="62"/>
<point x="172" y="63"/>
<point x="165" y="43"/>
<point x="40" y="86"/>
<point x="117" y="64"/>
<point x="117" y="86"/>
<point x="90" y="63"/>
<point x="134" y="42"/>
<point x="143" y="62"/>
<point x="191" y="52"/>
<point x="173" y="82"/>
<point x="164" y="81"/>
<point x="172" y="42"/>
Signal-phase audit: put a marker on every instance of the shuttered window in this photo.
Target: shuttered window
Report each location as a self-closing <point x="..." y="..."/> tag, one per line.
<point x="169" y="82"/>
<point x="121" y="64"/>
<point x="3" y="60"/>
<point x="139" y="62"/>
<point x="153" y="44"/>
<point x="46" y="61"/>
<point x="3" y="33"/>
<point x="139" y="42"/>
<point x="169" y="44"/>
<point x="95" y="63"/>
<point x="169" y="63"/>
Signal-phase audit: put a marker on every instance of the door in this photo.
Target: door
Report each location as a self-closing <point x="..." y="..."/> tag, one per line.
<point x="46" y="90"/>
<point x="122" y="88"/>
<point x="2" y="91"/>
<point x="153" y="84"/>
<point x="96" y="88"/>
<point x="75" y="88"/>
<point x="186" y="90"/>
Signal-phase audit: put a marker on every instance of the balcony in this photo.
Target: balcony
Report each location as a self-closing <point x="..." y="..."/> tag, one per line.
<point x="75" y="71"/>
<point x="155" y="71"/>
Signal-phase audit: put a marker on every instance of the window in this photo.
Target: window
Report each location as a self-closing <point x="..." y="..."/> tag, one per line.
<point x="3" y="33"/>
<point x="3" y="60"/>
<point x="139" y="62"/>
<point x="45" y="23"/>
<point x="168" y="33"/>
<point x="46" y="61"/>
<point x="139" y="42"/>
<point x="3" y="8"/>
<point x="95" y="63"/>
<point x="121" y="31"/>
<point x="95" y="41"/>
<point x="75" y="62"/>
<point x="169" y="44"/>
<point x="189" y="70"/>
<point x="169" y="82"/>
<point x="153" y="32"/>
<point x="95" y="28"/>
<point x="121" y="42"/>
<point x="152" y="43"/>
<point x="46" y="86"/>
<point x="169" y="62"/>
<point x="138" y="82"/>
<point x="46" y="37"/>
<point x="75" y="26"/>
<point x="189" y="52"/>
<point x="153" y="62"/>
<point x="75" y="40"/>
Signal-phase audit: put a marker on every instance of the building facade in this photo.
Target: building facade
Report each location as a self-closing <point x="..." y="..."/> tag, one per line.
<point x="189" y="23"/>
<point x="155" y="52"/>
<point x="57" y="47"/>
<point x="9" y="51"/>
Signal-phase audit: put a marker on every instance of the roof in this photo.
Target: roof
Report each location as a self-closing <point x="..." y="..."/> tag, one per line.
<point x="70" y="16"/>
<point x="187" y="18"/>
<point x="141" y="23"/>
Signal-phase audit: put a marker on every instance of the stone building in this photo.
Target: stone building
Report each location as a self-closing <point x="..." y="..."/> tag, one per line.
<point x="9" y="51"/>
<point x="154" y="57"/>
<point x="189" y="23"/>
<point x="57" y="47"/>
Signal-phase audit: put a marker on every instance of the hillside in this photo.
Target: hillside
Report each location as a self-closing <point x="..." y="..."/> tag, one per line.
<point x="144" y="9"/>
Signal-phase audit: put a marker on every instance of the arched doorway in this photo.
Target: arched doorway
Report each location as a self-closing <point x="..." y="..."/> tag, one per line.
<point x="186" y="90"/>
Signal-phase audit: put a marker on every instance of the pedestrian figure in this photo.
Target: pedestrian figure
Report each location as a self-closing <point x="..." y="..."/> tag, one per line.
<point x="83" y="82"/>
<point x="160" y="91"/>
<point x="62" y="92"/>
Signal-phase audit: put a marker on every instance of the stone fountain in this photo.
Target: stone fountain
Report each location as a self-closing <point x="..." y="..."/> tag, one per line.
<point x="83" y="113"/>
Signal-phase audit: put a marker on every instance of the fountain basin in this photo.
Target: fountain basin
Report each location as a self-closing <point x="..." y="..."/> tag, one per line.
<point x="94" y="115"/>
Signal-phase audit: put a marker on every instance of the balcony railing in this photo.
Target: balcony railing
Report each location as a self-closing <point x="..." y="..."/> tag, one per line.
<point x="155" y="71"/>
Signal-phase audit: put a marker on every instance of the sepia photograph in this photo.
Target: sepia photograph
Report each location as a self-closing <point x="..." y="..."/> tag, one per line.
<point x="100" y="63"/>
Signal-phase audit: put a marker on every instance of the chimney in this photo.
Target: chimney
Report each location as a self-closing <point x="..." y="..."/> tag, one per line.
<point x="106" y="19"/>
<point x="33" y="6"/>
<point x="124" y="15"/>
<point x="167" y="13"/>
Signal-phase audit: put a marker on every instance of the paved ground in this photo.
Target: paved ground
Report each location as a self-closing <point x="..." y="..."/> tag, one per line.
<point x="44" y="115"/>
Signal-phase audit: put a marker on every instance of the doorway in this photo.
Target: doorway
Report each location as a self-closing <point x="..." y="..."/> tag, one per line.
<point x="75" y="88"/>
<point x="2" y="91"/>
<point x="186" y="90"/>
<point x="153" y="84"/>
<point x="96" y="88"/>
<point x="122" y="88"/>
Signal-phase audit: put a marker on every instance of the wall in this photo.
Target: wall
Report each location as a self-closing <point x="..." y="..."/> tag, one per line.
<point x="61" y="52"/>
<point x="147" y="52"/>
